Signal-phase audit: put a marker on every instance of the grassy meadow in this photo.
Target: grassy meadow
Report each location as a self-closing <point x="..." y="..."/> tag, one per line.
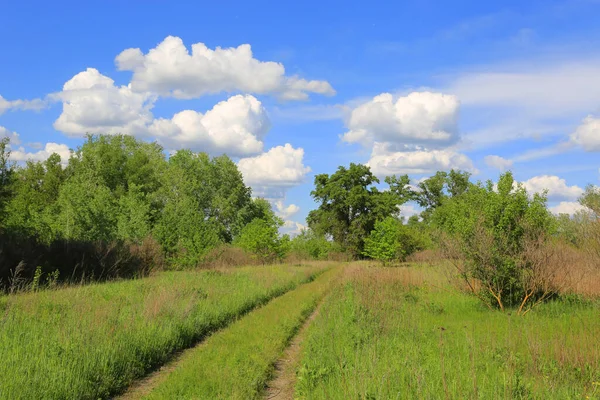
<point x="397" y="333"/>
<point x="89" y="342"/>
<point x="236" y="363"/>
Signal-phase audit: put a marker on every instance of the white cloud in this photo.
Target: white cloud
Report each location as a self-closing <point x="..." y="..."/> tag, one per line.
<point x="527" y="100"/>
<point x="270" y="174"/>
<point x="235" y="126"/>
<point x="285" y="212"/>
<point x="170" y="69"/>
<point x="384" y="162"/>
<point x="420" y="118"/>
<point x="50" y="148"/>
<point x="498" y="162"/>
<point x="587" y="135"/>
<point x="35" y="104"/>
<point x="408" y="210"/>
<point x="292" y="228"/>
<point x="557" y="187"/>
<point x="547" y="88"/>
<point x="567" y="207"/>
<point x="93" y="104"/>
<point x="12" y="136"/>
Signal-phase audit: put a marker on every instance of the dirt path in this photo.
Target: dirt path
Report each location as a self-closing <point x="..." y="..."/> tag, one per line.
<point x="145" y="385"/>
<point x="283" y="382"/>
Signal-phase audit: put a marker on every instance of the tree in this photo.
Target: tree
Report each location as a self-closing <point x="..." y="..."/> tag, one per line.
<point x="261" y="238"/>
<point x="309" y="245"/>
<point x="6" y="176"/>
<point x="390" y="241"/>
<point x="492" y="235"/>
<point x="350" y="204"/>
<point x="433" y="191"/>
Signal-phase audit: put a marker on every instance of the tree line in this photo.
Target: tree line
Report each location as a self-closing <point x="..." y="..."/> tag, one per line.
<point x="121" y="207"/>
<point x="118" y="206"/>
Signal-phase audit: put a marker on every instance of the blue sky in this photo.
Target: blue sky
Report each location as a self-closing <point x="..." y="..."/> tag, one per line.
<point x="483" y="86"/>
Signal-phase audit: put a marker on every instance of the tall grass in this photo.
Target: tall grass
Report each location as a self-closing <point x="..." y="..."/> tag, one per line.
<point x="399" y="333"/>
<point x="89" y="342"/>
<point x="237" y="362"/>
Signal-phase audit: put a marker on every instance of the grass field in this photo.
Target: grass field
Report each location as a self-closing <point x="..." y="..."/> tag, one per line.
<point x="89" y="342"/>
<point x="381" y="333"/>
<point x="397" y="333"/>
<point x="237" y="362"/>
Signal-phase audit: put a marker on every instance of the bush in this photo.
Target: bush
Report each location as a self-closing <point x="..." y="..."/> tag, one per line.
<point x="391" y="241"/>
<point x="497" y="240"/>
<point x="261" y="239"/>
<point x="310" y="246"/>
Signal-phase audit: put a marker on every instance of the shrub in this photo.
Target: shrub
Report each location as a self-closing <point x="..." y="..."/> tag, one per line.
<point x="497" y="240"/>
<point x="261" y="239"/>
<point x="390" y="241"/>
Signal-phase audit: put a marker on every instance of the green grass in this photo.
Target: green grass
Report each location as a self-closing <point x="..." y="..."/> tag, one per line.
<point x="237" y="362"/>
<point x="383" y="334"/>
<point x="89" y="342"/>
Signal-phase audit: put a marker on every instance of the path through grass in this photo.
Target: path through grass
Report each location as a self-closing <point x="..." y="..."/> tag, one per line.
<point x="90" y="342"/>
<point x="237" y="362"/>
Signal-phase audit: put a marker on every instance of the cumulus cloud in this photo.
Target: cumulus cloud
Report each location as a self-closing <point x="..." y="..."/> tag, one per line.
<point x="12" y="136"/>
<point x="93" y="104"/>
<point x="170" y="69"/>
<point x="498" y="162"/>
<point x="408" y="210"/>
<point x="587" y="135"/>
<point x="236" y="126"/>
<point x="557" y="187"/>
<point x="420" y="118"/>
<point x="270" y="174"/>
<point x="284" y="211"/>
<point x="567" y="207"/>
<point x="35" y="104"/>
<point x="292" y="228"/>
<point x="50" y="148"/>
<point x="384" y="162"/>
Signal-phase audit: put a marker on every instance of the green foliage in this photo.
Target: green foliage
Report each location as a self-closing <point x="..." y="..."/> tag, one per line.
<point x="490" y="229"/>
<point x="433" y="191"/>
<point x="6" y="177"/>
<point x="391" y="240"/>
<point x="115" y="188"/>
<point x="310" y="245"/>
<point x="350" y="204"/>
<point x="261" y="239"/>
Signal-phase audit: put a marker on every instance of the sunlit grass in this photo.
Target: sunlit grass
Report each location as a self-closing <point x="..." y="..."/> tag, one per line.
<point x="386" y="334"/>
<point x="236" y="363"/>
<point x="89" y="342"/>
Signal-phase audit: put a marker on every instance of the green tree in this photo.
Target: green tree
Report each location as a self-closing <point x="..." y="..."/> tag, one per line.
<point x="350" y="204"/>
<point x="391" y="241"/>
<point x="261" y="238"/>
<point x="309" y="245"/>
<point x="433" y="191"/>
<point x="6" y="177"/>
<point x="491" y="233"/>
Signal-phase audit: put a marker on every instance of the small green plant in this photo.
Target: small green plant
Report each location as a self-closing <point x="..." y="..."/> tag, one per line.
<point x="37" y="276"/>
<point x="52" y="279"/>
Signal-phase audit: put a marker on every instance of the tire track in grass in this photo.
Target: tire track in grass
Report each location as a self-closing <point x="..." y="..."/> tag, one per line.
<point x="145" y="384"/>
<point x="282" y="384"/>
<point x="237" y="362"/>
